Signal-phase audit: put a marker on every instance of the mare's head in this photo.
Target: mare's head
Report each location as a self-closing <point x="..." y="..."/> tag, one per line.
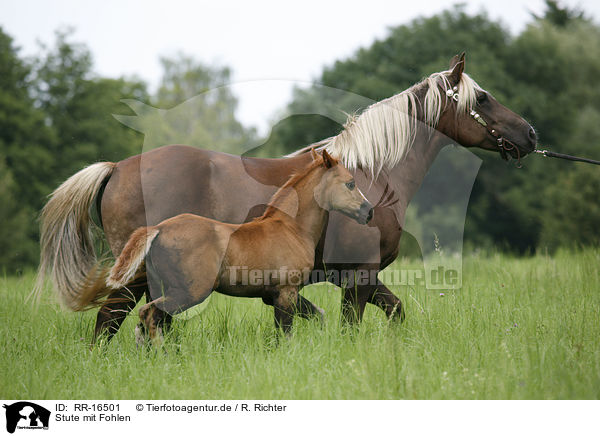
<point x="448" y="101"/>
<point x="337" y="190"/>
<point x="473" y="118"/>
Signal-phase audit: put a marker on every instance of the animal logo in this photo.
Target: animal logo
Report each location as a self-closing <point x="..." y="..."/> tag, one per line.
<point x="434" y="214"/>
<point x="24" y="414"/>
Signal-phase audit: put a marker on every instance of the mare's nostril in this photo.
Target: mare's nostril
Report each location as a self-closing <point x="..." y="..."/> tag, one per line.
<point x="532" y="136"/>
<point x="370" y="215"/>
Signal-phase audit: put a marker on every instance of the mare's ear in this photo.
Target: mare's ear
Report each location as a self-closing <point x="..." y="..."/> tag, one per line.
<point x="314" y="153"/>
<point x="328" y="161"/>
<point x="457" y="65"/>
<point x="456" y="59"/>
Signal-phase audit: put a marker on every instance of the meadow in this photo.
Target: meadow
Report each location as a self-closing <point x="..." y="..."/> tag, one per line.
<point x="520" y="328"/>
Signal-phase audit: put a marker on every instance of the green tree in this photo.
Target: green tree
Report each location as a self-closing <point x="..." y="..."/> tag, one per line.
<point x="24" y="158"/>
<point x="193" y="106"/>
<point x="18" y="248"/>
<point x="197" y="108"/>
<point x="573" y="213"/>
<point x="55" y="118"/>
<point x="555" y="70"/>
<point x="79" y="105"/>
<point x="558" y="15"/>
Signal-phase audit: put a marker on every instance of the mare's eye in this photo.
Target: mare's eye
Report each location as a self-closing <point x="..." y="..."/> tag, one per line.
<point x="482" y="98"/>
<point x="350" y="185"/>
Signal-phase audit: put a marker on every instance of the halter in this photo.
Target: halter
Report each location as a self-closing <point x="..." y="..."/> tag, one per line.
<point x="504" y="144"/>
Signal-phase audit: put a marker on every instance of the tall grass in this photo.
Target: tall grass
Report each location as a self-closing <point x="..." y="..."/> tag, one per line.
<point x="520" y="328"/>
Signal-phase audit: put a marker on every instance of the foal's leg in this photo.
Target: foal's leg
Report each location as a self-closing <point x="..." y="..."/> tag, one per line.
<point x="284" y="303"/>
<point x="156" y="315"/>
<point x="116" y="307"/>
<point x="160" y="320"/>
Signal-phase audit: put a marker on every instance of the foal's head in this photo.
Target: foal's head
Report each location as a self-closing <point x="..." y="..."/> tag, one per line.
<point x="337" y="190"/>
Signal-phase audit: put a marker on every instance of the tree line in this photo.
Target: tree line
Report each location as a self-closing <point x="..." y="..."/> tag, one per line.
<point x="56" y="117"/>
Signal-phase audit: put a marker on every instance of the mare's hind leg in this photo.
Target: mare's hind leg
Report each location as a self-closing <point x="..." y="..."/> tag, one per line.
<point x="116" y="308"/>
<point x="285" y="302"/>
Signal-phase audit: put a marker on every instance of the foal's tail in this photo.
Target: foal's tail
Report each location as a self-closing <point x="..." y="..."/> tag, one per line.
<point x="66" y="241"/>
<point x="131" y="258"/>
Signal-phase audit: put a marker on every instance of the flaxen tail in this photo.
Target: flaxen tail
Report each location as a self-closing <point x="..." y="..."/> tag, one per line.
<point x="131" y="258"/>
<point x="66" y="240"/>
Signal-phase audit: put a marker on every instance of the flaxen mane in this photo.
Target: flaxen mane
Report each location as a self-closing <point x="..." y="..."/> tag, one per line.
<point x="383" y="134"/>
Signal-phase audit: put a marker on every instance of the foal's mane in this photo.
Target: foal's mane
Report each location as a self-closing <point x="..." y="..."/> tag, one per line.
<point x="383" y="133"/>
<point x="291" y="182"/>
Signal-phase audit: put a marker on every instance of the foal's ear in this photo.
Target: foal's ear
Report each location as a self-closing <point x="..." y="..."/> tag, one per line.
<point x="457" y="65"/>
<point x="314" y="153"/>
<point x="328" y="161"/>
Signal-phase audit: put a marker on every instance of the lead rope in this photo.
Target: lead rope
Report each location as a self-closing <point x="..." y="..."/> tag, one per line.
<point x="548" y="153"/>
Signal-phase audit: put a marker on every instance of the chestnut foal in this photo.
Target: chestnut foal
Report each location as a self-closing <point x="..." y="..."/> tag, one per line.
<point x="189" y="256"/>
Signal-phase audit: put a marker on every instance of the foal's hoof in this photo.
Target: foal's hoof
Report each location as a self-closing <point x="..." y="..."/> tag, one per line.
<point x="322" y="315"/>
<point x="158" y="339"/>
<point x="141" y="338"/>
<point x="398" y="314"/>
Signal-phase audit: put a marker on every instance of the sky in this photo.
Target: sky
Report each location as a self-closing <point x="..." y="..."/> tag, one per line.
<point x="269" y="45"/>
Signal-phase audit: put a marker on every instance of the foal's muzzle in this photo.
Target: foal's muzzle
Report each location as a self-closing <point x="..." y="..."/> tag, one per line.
<point x="365" y="213"/>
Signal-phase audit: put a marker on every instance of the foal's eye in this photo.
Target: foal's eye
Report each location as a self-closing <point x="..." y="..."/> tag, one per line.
<point x="482" y="98"/>
<point x="350" y="185"/>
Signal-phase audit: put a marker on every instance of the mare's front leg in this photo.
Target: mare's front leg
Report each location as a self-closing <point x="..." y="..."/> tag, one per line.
<point x="305" y="308"/>
<point x="355" y="298"/>
<point x="308" y="310"/>
<point x="383" y="298"/>
<point x="285" y="304"/>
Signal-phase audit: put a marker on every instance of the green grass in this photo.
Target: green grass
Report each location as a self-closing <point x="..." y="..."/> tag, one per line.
<point x="520" y="328"/>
